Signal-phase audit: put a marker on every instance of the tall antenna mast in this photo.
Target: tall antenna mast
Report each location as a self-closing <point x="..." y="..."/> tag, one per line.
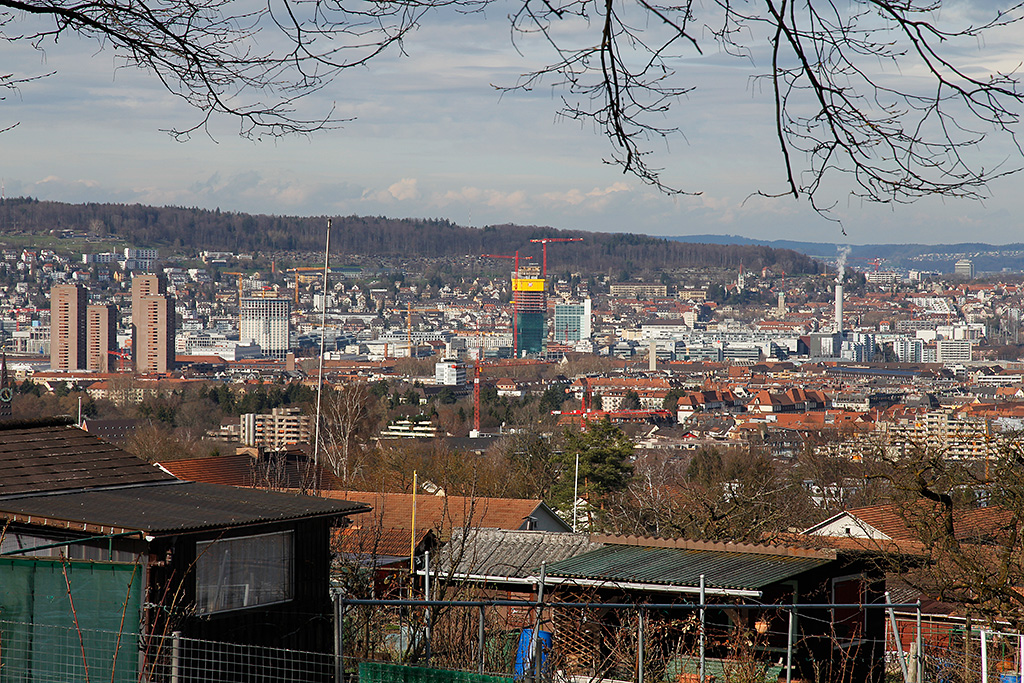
<point x="323" y="330"/>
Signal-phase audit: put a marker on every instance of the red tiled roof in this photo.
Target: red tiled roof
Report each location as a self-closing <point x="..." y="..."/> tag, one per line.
<point x="377" y="542"/>
<point x="440" y="513"/>
<point x="987" y="521"/>
<point x="240" y="470"/>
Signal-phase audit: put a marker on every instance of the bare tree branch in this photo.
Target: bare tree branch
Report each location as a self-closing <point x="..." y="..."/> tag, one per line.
<point x="873" y="97"/>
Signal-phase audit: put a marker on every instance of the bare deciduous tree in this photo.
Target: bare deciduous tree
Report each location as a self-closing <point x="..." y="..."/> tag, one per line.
<point x="350" y="417"/>
<point x="876" y="94"/>
<point x="966" y="517"/>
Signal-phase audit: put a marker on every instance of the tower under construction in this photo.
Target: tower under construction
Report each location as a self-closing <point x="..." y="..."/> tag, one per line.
<point x="529" y="306"/>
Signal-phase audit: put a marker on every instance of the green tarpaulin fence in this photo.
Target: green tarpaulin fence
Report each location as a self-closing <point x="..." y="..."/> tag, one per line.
<point x="38" y="615"/>
<point x="379" y="672"/>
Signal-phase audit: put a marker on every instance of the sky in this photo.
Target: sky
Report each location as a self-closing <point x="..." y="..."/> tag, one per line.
<point x="431" y="136"/>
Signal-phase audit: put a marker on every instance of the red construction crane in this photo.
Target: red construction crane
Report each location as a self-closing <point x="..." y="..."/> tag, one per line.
<point x="516" y="256"/>
<point x="544" y="241"/>
<point x="122" y="358"/>
<point x="876" y="261"/>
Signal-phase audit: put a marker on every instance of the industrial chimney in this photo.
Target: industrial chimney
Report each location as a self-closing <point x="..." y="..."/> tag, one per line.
<point x="839" y="307"/>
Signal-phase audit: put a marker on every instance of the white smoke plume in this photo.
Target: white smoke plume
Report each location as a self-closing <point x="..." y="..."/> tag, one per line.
<point x="841" y="263"/>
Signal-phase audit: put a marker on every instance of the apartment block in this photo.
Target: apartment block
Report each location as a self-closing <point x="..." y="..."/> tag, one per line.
<point x="639" y="290"/>
<point x="281" y="427"/>
<point x="101" y="337"/>
<point x="153" y="325"/>
<point x="68" y="327"/>
<point x="266" y="321"/>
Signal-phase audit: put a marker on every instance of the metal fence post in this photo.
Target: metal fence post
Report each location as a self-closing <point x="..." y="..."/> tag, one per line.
<point x="897" y="640"/>
<point x="984" y="657"/>
<point x="339" y="638"/>
<point x="920" y="646"/>
<point x="426" y="594"/>
<point x="1020" y="669"/>
<point x="175" y="656"/>
<point x="789" y="648"/>
<point x="640" y="646"/>
<point x="700" y="670"/>
<point x="480" y="640"/>
<point x="537" y="646"/>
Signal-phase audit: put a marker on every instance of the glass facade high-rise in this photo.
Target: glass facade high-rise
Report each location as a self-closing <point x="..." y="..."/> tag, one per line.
<point x="529" y="305"/>
<point x="572" y="322"/>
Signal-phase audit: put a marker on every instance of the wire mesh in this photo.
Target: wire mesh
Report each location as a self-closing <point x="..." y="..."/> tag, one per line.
<point x="595" y="643"/>
<point x="43" y="654"/>
<point x="57" y="654"/>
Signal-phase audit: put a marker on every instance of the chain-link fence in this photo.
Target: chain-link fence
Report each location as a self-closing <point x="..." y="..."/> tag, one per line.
<point x="448" y="641"/>
<point x="36" y="653"/>
<point x="595" y="641"/>
<point x="954" y="651"/>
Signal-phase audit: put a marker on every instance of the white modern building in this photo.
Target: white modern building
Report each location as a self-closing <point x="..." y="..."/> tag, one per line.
<point x="267" y="322"/>
<point x="964" y="268"/>
<point x="450" y="372"/>
<point x="953" y="351"/>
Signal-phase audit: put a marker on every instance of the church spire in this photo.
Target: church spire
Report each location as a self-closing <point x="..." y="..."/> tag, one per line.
<point x="6" y="391"/>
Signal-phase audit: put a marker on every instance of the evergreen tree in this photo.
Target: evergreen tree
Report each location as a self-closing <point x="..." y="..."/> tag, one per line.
<point x="604" y="454"/>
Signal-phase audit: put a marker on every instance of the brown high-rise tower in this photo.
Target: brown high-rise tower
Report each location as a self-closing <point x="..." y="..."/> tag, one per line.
<point x="153" y="325"/>
<point x="67" y="327"/>
<point x="101" y="336"/>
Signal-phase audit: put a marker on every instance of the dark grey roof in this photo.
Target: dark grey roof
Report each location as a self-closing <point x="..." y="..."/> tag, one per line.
<point x="43" y="459"/>
<point x="683" y="567"/>
<point x="165" y="508"/>
<point x="509" y="554"/>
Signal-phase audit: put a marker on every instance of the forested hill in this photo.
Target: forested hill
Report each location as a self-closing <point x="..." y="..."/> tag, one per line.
<point x="175" y="228"/>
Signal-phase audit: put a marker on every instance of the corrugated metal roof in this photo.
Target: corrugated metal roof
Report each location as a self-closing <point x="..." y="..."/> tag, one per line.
<point x="683" y="567"/>
<point x="510" y="554"/>
<point x="57" y="458"/>
<point x="170" y="508"/>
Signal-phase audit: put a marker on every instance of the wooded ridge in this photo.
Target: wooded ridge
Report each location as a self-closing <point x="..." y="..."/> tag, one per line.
<point x="179" y="229"/>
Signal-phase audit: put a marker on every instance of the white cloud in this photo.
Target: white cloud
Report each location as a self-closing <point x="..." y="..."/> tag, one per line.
<point x="405" y="189"/>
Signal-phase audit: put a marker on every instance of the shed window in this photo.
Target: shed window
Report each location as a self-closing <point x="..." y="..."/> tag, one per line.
<point x="236" y="573"/>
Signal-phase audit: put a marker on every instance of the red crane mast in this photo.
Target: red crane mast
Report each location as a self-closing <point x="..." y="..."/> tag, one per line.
<point x="545" y="241"/>
<point x="516" y="256"/>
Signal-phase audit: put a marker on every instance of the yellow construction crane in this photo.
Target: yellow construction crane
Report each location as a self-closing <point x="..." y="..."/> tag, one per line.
<point x="409" y="310"/>
<point x="240" y="276"/>
<point x="296" y="271"/>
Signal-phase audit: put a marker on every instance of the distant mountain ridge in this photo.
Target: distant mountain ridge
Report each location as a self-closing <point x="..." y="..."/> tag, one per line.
<point x="986" y="257"/>
<point x="190" y="230"/>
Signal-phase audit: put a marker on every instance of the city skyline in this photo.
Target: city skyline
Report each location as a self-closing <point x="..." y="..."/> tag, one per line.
<point x="430" y="136"/>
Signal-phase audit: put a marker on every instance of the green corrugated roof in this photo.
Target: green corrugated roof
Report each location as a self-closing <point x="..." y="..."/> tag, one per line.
<point x="679" y="567"/>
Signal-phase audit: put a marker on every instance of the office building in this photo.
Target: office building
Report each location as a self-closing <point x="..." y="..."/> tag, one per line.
<point x="153" y="325"/>
<point x="450" y="373"/>
<point x="529" y="306"/>
<point x="101" y="337"/>
<point x="266" y="321"/>
<point x="950" y="351"/>
<point x="68" y="327"/>
<point x="573" y="321"/>
<point x="964" y="268"/>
